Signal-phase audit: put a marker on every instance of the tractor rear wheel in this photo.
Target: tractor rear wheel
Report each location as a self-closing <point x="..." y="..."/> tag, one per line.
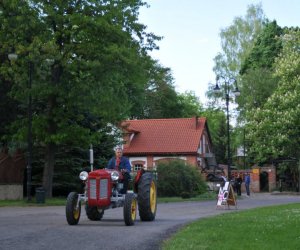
<point x="72" y="211"/>
<point x="130" y="209"/>
<point x="93" y="213"/>
<point x="147" y="197"/>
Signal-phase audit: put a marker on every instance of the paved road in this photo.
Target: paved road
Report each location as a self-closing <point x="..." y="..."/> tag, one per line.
<point x="37" y="228"/>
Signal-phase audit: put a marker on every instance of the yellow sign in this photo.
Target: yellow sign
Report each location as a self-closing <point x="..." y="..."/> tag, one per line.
<point x="255" y="170"/>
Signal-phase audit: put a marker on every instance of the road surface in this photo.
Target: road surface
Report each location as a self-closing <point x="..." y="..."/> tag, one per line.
<point x="43" y="228"/>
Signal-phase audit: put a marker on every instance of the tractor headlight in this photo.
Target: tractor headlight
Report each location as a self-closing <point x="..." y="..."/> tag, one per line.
<point x="114" y="176"/>
<point x="83" y="175"/>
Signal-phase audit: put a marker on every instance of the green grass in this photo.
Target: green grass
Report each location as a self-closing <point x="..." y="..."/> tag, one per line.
<point x="276" y="227"/>
<point x="57" y="201"/>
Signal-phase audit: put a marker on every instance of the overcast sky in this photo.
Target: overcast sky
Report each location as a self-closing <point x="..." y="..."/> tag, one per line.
<point x="191" y="33"/>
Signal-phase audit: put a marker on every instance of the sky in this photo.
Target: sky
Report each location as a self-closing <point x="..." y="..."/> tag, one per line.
<point x="191" y="31"/>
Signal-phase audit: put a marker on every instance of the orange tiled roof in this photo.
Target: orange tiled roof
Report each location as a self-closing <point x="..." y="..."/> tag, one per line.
<point x="164" y="136"/>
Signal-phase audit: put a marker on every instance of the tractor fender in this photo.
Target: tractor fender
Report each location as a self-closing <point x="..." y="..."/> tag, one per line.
<point x="137" y="179"/>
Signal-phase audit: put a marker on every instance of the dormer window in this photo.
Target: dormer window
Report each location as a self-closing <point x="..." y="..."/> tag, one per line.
<point x="131" y="136"/>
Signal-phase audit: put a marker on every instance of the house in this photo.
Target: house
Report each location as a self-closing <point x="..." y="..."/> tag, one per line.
<point x="150" y="141"/>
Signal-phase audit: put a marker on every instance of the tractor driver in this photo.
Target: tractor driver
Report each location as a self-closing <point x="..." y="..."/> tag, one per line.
<point x="121" y="163"/>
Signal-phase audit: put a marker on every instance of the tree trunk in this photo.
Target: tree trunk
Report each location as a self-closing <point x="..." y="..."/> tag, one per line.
<point x="49" y="168"/>
<point x="50" y="150"/>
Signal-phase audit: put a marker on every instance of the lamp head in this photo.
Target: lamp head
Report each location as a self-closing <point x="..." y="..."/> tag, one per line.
<point x="217" y="89"/>
<point x="12" y="56"/>
<point x="236" y="92"/>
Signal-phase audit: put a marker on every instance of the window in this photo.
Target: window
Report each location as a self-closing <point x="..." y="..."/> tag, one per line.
<point x="137" y="167"/>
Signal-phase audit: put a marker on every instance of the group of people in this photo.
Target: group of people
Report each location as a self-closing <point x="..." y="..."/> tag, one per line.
<point x="238" y="184"/>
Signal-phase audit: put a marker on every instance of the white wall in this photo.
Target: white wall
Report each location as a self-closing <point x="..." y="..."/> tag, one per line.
<point x="11" y="192"/>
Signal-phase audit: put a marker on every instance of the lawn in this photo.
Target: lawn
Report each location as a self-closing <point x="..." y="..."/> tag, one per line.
<point x="57" y="201"/>
<point x="275" y="227"/>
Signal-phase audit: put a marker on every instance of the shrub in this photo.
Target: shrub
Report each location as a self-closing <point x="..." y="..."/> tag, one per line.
<point x="176" y="178"/>
<point x="185" y="195"/>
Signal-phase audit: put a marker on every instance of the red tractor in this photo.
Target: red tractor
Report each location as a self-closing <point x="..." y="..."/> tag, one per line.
<point x="102" y="191"/>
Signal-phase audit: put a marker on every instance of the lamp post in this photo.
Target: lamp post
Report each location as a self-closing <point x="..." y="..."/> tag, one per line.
<point x="13" y="57"/>
<point x="29" y="166"/>
<point x="236" y="92"/>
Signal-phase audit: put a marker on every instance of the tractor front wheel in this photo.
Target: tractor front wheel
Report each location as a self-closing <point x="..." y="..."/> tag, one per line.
<point x="147" y="197"/>
<point x="130" y="209"/>
<point x="93" y="213"/>
<point x="72" y="210"/>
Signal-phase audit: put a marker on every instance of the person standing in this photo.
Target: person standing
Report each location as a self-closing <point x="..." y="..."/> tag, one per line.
<point x="122" y="164"/>
<point x="238" y="184"/>
<point x="223" y="180"/>
<point x="247" y="183"/>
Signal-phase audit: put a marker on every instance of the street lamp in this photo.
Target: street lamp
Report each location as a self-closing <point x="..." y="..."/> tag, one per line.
<point x="236" y="92"/>
<point x="29" y="166"/>
<point x="13" y="57"/>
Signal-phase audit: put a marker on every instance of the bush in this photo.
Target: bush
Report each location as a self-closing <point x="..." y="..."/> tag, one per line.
<point x="185" y="195"/>
<point x="179" y="179"/>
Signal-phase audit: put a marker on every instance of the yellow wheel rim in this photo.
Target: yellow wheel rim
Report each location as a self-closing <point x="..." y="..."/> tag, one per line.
<point x="133" y="209"/>
<point x="76" y="212"/>
<point x="153" y="197"/>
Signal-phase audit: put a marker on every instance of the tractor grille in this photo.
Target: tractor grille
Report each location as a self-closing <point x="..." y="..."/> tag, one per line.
<point x="92" y="188"/>
<point x="103" y="188"/>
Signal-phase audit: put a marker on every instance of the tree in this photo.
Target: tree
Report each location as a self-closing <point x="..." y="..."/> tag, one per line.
<point x="190" y="103"/>
<point x="257" y="81"/>
<point x="237" y="41"/>
<point x="266" y="48"/>
<point x="17" y="21"/>
<point x="89" y="57"/>
<point x="8" y="109"/>
<point x="161" y="99"/>
<point x="216" y="121"/>
<point x="274" y="128"/>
